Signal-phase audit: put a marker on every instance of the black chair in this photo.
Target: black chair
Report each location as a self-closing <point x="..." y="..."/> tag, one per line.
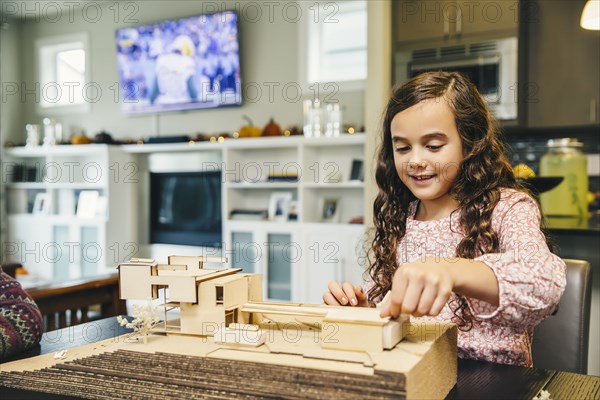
<point x="11" y="268"/>
<point x="561" y="341"/>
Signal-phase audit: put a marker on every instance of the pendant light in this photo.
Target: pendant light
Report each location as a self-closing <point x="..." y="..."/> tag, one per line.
<point x="590" y="17"/>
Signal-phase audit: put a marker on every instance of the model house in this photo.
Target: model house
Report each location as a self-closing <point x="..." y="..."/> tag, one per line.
<point x="219" y="302"/>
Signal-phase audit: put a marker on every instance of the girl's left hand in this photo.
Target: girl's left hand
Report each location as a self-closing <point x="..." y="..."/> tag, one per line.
<point x="419" y="288"/>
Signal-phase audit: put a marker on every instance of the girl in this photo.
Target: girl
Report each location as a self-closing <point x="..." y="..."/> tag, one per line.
<point x="456" y="237"/>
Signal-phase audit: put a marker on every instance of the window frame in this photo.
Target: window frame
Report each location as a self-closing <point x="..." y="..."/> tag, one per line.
<point x="309" y="50"/>
<point x="57" y="44"/>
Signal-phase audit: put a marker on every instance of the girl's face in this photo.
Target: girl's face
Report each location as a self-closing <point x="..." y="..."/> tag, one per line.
<point x="427" y="149"/>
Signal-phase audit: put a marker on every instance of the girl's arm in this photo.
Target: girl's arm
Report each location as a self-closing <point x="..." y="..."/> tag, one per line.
<point x="518" y="285"/>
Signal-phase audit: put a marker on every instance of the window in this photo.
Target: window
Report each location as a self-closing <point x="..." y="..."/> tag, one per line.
<point x="335" y="42"/>
<point x="231" y="317"/>
<point x="219" y="293"/>
<point x="63" y="74"/>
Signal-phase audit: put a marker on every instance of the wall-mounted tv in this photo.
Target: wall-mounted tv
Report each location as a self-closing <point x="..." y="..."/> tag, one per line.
<point x="181" y="64"/>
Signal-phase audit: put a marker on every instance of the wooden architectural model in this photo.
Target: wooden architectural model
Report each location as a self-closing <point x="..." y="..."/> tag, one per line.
<point x="228" y="305"/>
<point x="228" y="343"/>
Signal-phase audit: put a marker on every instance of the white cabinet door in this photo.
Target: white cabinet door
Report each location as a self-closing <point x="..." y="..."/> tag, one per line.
<point x="270" y="249"/>
<point x="355" y="260"/>
<point x="323" y="261"/>
<point x="34" y="248"/>
<point x="330" y="254"/>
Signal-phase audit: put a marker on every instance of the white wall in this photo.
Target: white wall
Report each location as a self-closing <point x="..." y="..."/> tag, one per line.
<point x="269" y="54"/>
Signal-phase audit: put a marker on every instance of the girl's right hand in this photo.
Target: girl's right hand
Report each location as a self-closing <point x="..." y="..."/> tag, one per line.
<point x="345" y="295"/>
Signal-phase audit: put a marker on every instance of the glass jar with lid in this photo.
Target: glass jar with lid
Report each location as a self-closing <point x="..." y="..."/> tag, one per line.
<point x="565" y="158"/>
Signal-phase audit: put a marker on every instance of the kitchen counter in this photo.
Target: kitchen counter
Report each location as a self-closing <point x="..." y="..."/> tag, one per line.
<point x="574" y="225"/>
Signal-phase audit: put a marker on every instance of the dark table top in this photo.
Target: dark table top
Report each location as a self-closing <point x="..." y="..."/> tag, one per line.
<point x="581" y="226"/>
<point x="476" y="379"/>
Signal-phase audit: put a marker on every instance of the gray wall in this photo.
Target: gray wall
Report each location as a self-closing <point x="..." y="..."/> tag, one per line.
<point x="10" y="71"/>
<point x="10" y="110"/>
<point x="269" y="46"/>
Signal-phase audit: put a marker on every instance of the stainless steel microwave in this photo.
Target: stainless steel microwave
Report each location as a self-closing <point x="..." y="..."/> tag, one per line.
<point x="491" y="65"/>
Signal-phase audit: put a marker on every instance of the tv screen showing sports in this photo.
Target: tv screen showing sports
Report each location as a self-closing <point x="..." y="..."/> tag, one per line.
<point x="181" y="64"/>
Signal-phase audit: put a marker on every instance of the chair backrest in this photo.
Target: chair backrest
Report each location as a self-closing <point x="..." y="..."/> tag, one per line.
<point x="11" y="268"/>
<point x="561" y="341"/>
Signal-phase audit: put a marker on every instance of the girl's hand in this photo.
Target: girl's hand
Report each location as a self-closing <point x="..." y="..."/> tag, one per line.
<point x="419" y="288"/>
<point x="345" y="295"/>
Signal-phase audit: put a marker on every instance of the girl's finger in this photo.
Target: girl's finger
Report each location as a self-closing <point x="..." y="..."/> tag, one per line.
<point x="385" y="311"/>
<point x="426" y="301"/>
<point x="361" y="296"/>
<point x="439" y="304"/>
<point x="412" y="297"/>
<point x="360" y="292"/>
<point x="350" y="294"/>
<point x="336" y="290"/>
<point x="399" y="287"/>
<point x="330" y="300"/>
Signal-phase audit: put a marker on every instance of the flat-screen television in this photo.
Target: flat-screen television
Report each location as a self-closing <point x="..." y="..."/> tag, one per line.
<point x="181" y="64"/>
<point x="185" y="208"/>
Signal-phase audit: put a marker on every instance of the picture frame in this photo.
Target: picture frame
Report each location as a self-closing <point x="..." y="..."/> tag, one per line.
<point x="293" y="211"/>
<point x="42" y="204"/>
<point x="330" y="210"/>
<point x="279" y="206"/>
<point x="356" y="172"/>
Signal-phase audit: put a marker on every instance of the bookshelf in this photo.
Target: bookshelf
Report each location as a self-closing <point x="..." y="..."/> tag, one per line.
<point x="56" y="242"/>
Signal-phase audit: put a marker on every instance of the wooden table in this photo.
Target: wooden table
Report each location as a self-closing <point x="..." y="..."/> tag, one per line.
<point x="77" y="296"/>
<point x="476" y="379"/>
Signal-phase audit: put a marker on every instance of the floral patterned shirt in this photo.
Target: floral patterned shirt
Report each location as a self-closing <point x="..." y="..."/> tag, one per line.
<point x="531" y="279"/>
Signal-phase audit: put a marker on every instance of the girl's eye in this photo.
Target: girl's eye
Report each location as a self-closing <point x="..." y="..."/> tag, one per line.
<point x="402" y="149"/>
<point x="434" y="148"/>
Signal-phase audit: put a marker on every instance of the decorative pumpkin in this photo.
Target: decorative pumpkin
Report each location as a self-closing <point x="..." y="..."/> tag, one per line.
<point x="249" y="130"/>
<point x="272" y="129"/>
<point x="80" y="139"/>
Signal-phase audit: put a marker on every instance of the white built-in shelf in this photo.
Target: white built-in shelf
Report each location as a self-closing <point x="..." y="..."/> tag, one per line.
<point x="171" y="147"/>
<point x="261" y="185"/>
<point x="58" y="219"/>
<point x="59" y="150"/>
<point x="241" y="225"/>
<point x="57" y="185"/>
<point x="355" y="138"/>
<point x="61" y="171"/>
<point x="243" y="143"/>
<point x="335" y="185"/>
<point x="246" y="143"/>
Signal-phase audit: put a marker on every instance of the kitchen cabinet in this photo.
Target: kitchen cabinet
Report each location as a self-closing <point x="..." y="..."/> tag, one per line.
<point x="563" y="60"/>
<point x="423" y="23"/>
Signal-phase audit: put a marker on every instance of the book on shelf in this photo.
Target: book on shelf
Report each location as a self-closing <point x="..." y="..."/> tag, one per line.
<point x="282" y="178"/>
<point x="248" y="215"/>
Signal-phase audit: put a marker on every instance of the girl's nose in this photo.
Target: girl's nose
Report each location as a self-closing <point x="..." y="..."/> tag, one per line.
<point x="416" y="163"/>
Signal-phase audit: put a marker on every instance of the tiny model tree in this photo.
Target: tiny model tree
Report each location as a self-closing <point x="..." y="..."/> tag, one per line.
<point x="145" y="318"/>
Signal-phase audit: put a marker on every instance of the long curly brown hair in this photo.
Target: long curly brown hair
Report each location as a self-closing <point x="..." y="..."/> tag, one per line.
<point x="484" y="171"/>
